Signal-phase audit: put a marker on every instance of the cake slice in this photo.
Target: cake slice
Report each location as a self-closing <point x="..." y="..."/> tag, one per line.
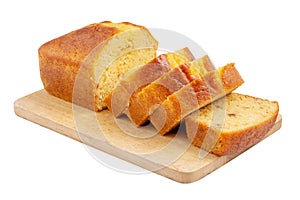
<point x="231" y="124"/>
<point x="117" y="102"/>
<point x="84" y="65"/>
<point x="141" y="102"/>
<point x="193" y="96"/>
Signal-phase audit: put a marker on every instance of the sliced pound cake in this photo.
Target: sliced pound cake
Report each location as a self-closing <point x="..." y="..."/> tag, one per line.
<point x="231" y="124"/>
<point x="193" y="96"/>
<point x="117" y="102"/>
<point x="141" y="102"/>
<point x="84" y="65"/>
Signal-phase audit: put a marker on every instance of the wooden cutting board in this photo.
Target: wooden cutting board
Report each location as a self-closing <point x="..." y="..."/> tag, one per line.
<point x="171" y="156"/>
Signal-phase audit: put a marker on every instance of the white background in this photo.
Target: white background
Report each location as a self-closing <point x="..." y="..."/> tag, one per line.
<point x="261" y="37"/>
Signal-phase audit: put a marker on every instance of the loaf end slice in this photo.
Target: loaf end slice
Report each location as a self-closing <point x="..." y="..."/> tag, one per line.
<point x="193" y="96"/>
<point x="142" y="102"/>
<point x="140" y="77"/>
<point x="231" y="124"/>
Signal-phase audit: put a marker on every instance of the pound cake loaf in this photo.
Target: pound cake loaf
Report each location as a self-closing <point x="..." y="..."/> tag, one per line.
<point x="231" y="124"/>
<point x="193" y="96"/>
<point x="141" y="102"/>
<point x="84" y="66"/>
<point x="136" y="79"/>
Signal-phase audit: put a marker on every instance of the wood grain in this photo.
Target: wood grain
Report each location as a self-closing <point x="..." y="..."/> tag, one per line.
<point x="171" y="156"/>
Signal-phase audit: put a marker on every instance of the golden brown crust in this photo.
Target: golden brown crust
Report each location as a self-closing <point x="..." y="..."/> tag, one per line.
<point x="141" y="101"/>
<point x="193" y="96"/>
<point x="135" y="81"/>
<point x="63" y="58"/>
<point x="224" y="143"/>
<point x="230" y="77"/>
<point x="240" y="141"/>
<point x="60" y="59"/>
<point x="170" y="112"/>
<point x="107" y="101"/>
<point x="73" y="47"/>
